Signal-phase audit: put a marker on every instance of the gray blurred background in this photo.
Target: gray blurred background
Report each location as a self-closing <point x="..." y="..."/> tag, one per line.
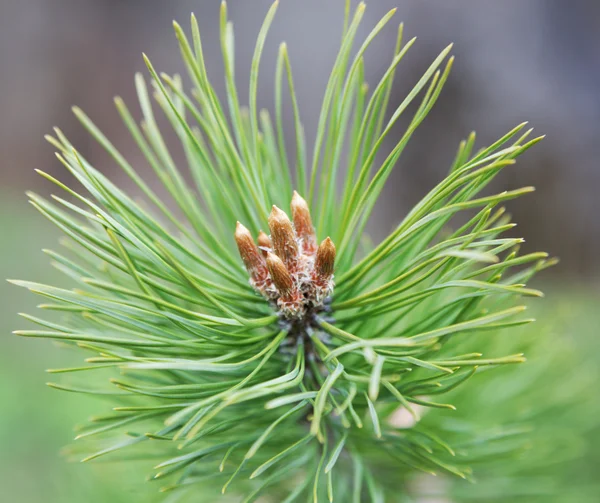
<point x="535" y="60"/>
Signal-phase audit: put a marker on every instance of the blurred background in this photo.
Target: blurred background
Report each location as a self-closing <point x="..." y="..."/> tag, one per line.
<point x="537" y="60"/>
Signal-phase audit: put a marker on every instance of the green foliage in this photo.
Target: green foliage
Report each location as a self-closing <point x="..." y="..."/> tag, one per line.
<point x="550" y="400"/>
<point x="206" y="380"/>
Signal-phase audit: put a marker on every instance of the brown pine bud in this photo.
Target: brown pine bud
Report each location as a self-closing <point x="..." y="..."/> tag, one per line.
<point x="322" y="274"/>
<point x="303" y="224"/>
<point x="253" y="260"/>
<point x="264" y="241"/>
<point x="290" y="300"/>
<point x="284" y="239"/>
<point x="280" y="275"/>
<point x="325" y="259"/>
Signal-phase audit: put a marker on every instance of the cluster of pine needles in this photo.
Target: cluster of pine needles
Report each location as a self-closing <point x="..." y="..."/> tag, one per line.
<point x="208" y="380"/>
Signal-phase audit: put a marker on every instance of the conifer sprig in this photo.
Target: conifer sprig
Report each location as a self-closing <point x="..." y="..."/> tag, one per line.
<point x="245" y="372"/>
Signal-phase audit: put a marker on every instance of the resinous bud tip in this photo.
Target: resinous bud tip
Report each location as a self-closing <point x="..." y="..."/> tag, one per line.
<point x="280" y="275"/>
<point x="241" y="231"/>
<point x="325" y="261"/>
<point x="303" y="224"/>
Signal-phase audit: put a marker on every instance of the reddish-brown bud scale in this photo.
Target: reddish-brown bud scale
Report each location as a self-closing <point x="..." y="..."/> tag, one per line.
<point x="303" y="224"/>
<point x="264" y="243"/>
<point x="284" y="239"/>
<point x="253" y="260"/>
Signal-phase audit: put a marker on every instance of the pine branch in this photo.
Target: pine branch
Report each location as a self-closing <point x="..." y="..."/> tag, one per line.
<point x="244" y="361"/>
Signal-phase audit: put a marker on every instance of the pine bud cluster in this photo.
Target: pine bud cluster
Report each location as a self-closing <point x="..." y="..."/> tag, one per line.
<point x="287" y="267"/>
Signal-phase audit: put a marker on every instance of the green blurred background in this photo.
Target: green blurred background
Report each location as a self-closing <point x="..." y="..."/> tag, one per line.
<point x="36" y="422"/>
<point x="536" y="60"/>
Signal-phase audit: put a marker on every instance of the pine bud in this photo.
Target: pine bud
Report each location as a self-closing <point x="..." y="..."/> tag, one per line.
<point x="325" y="259"/>
<point x="322" y="282"/>
<point x="264" y="241"/>
<point x="303" y="224"/>
<point x="251" y="256"/>
<point x="284" y="239"/>
<point x="280" y="275"/>
<point x="290" y="300"/>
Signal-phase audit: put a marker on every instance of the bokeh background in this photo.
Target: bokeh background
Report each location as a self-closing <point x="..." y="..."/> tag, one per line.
<point x="535" y="60"/>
